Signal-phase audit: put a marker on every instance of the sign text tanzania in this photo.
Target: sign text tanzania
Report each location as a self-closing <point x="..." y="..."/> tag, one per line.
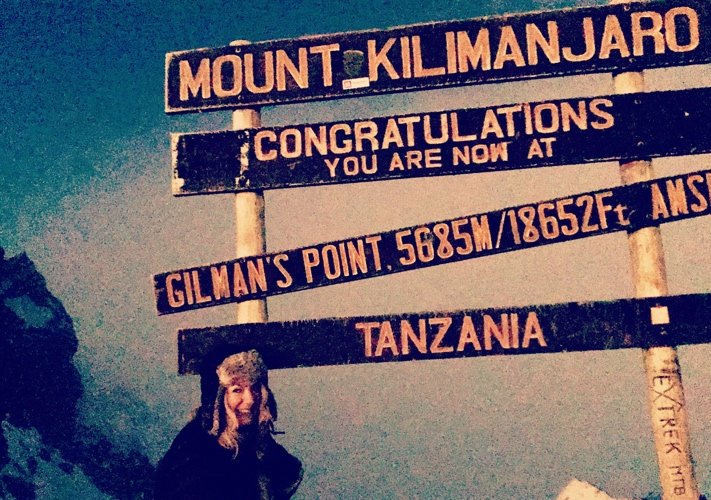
<point x="594" y="39"/>
<point x="574" y="326"/>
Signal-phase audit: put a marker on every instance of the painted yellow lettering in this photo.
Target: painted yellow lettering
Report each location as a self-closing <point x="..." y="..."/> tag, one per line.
<point x="670" y="27"/>
<point x="481" y="233"/>
<point x="677" y="197"/>
<point x="346" y="146"/>
<point x="613" y="39"/>
<point x="419" y="69"/>
<point x="654" y="32"/>
<point x="284" y="64"/>
<point x="366" y="130"/>
<point x="326" y="61"/>
<point x="478" y="55"/>
<point x="443" y="129"/>
<point x="374" y="242"/>
<point x="239" y="284"/>
<point x="509" y="49"/>
<point x="392" y="134"/>
<point x="257" y="276"/>
<point x="367" y="330"/>
<point x="659" y="205"/>
<point x="407" y="334"/>
<point x="492" y="330"/>
<point x="533" y="331"/>
<point x="356" y="257"/>
<point x="176" y="298"/>
<point x="194" y="83"/>
<point x="701" y="203"/>
<point x="443" y="324"/>
<point x="380" y="58"/>
<point x="386" y="340"/>
<point x="260" y="151"/>
<point x="315" y="140"/>
<point x="199" y="297"/>
<point x="549" y="46"/>
<point x="467" y="335"/>
<point x="311" y="259"/>
<point x="220" y="282"/>
<point x="588" y="38"/>
<point x="250" y="72"/>
<point x="236" y="77"/>
<point x="607" y="119"/>
<point x="286" y="280"/>
<point x="491" y="125"/>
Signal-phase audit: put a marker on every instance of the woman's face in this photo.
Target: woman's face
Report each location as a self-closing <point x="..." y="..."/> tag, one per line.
<point x="243" y="399"/>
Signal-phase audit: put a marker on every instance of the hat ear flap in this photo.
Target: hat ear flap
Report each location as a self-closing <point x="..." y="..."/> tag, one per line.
<point x="272" y="404"/>
<point x="218" y="412"/>
<point x="267" y="409"/>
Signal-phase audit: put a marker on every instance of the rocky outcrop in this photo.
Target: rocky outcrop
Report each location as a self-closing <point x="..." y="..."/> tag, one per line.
<point x="40" y="388"/>
<point x="39" y="384"/>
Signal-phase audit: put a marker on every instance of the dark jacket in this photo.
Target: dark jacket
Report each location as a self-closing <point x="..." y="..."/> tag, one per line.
<point x="196" y="467"/>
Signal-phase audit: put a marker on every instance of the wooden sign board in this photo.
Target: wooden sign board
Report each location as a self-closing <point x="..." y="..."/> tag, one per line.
<point x="424" y="56"/>
<point x="622" y="208"/>
<point x="575" y="326"/>
<point x="509" y="137"/>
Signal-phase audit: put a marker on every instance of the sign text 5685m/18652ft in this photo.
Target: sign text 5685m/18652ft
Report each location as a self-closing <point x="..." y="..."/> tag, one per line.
<point x="424" y="245"/>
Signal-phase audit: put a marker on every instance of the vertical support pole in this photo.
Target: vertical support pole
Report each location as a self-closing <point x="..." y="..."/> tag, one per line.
<point x="249" y="219"/>
<point x="665" y="393"/>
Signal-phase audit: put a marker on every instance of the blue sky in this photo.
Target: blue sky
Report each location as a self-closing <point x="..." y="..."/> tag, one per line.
<point x="82" y="75"/>
<point x="84" y="165"/>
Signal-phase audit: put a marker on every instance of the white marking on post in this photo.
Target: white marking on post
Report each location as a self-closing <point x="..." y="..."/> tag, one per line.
<point x="356" y="83"/>
<point x="659" y="315"/>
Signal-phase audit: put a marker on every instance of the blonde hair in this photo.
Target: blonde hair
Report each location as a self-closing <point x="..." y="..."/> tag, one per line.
<point x="246" y="366"/>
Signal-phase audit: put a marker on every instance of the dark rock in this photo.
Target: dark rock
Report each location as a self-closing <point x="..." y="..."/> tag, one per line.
<point x="40" y="387"/>
<point x="66" y="467"/>
<point x="39" y="384"/>
<point x="19" y="488"/>
<point x="4" y="457"/>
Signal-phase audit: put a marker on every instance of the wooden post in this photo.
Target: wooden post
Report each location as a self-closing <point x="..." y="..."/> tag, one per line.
<point x="665" y="393"/>
<point x="249" y="219"/>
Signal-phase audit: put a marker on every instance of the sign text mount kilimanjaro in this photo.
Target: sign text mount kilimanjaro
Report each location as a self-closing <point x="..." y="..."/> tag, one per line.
<point x="595" y="39"/>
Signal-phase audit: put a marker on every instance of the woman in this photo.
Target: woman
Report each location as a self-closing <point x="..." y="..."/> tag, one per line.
<point x="227" y="450"/>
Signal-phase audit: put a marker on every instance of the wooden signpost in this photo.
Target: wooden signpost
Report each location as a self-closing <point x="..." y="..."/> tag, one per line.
<point x="509" y="137"/>
<point x="250" y="230"/>
<point x="555" y="328"/>
<point x="513" y="47"/>
<point x="665" y="392"/>
<point x="622" y="38"/>
<point x="621" y="208"/>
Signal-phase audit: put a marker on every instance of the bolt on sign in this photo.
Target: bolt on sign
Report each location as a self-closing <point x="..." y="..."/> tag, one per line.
<point x="586" y="40"/>
<point x="621" y="208"/>
<point x="568" y="327"/>
<point x="531" y="134"/>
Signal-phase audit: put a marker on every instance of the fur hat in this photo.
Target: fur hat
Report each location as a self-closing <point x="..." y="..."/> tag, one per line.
<point x="248" y="365"/>
<point x="214" y="383"/>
